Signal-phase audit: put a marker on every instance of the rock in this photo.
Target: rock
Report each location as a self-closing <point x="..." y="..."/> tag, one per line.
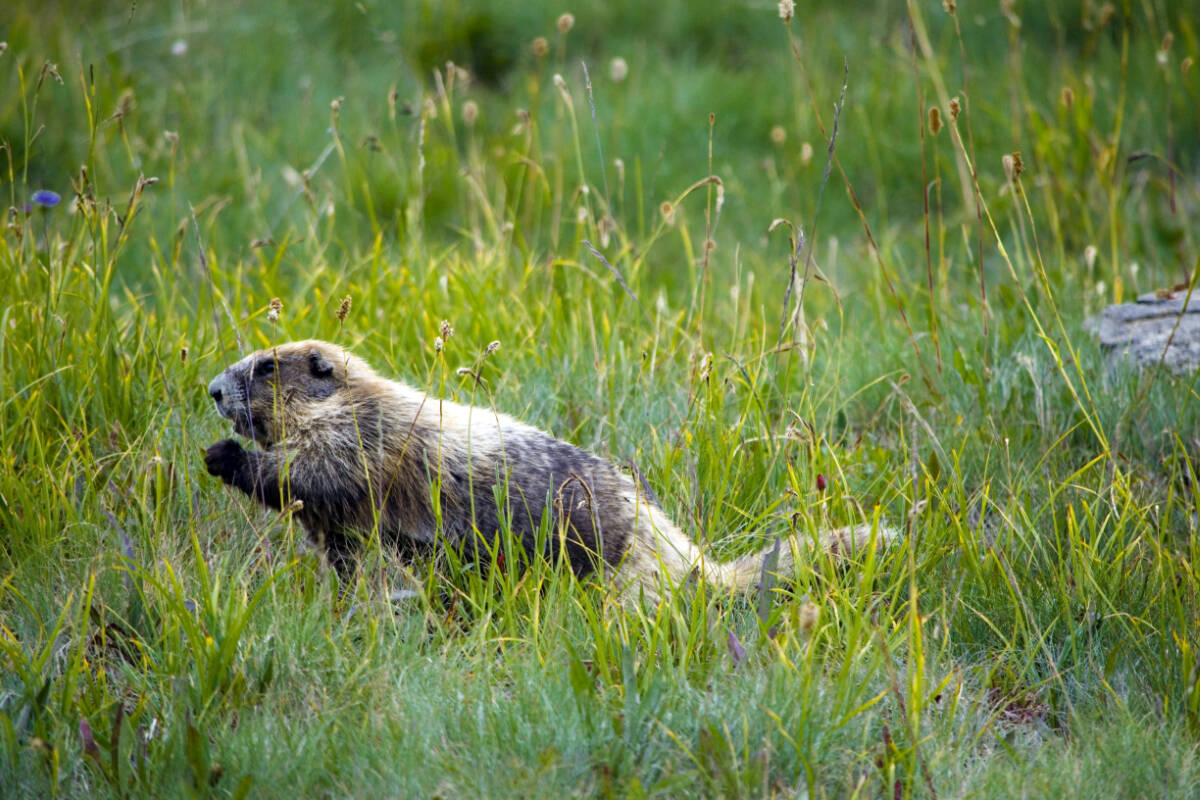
<point x="1141" y="330"/>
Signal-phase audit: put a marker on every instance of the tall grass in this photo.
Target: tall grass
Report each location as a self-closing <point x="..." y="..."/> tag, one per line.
<point x="1036" y="631"/>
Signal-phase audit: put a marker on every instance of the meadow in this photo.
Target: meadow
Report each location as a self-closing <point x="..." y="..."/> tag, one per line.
<point x="797" y="273"/>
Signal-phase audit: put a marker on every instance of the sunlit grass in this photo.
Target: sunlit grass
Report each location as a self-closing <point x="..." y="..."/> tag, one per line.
<point x="1036" y="631"/>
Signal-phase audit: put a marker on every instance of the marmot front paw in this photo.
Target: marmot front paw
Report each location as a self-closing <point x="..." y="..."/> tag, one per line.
<point x="224" y="459"/>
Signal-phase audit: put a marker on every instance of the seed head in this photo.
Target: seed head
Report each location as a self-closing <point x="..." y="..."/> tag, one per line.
<point x="560" y="82"/>
<point x="1009" y="166"/>
<point x="1167" y="40"/>
<point x="1067" y="96"/>
<point x="470" y="113"/>
<point x="949" y="5"/>
<point x="491" y="348"/>
<point x="446" y="330"/>
<point x="955" y="107"/>
<point x="809" y="614"/>
<point x="1089" y="256"/>
<point x="935" y="120"/>
<point x="1018" y="164"/>
<point x="1185" y="66"/>
<point x="787" y="10"/>
<point x="806" y="154"/>
<point x="183" y="354"/>
<point x="565" y="23"/>
<point x="668" y="212"/>
<point x="273" y="309"/>
<point x="438" y="344"/>
<point x="343" y="309"/>
<point x="540" y="46"/>
<point x="778" y="135"/>
<point x="618" y="70"/>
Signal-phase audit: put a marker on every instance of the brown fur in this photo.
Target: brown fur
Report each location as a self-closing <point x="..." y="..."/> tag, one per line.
<point x="363" y="453"/>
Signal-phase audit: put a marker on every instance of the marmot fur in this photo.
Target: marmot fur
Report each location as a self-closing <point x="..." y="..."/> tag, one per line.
<point x="361" y="451"/>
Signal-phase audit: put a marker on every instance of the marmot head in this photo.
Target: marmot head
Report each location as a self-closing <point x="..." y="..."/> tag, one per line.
<point x="274" y="391"/>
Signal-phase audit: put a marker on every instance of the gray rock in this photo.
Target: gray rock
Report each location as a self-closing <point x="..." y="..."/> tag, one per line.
<point x="1141" y="331"/>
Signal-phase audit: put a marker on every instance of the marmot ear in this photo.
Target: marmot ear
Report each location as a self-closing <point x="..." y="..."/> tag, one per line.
<point x="319" y="364"/>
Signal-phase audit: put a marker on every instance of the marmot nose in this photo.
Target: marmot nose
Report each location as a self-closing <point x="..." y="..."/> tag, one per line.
<point x="214" y="390"/>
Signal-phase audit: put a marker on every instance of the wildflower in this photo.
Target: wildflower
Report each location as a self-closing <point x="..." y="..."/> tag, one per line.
<point x="46" y="198"/>
<point x="787" y="10"/>
<point x="618" y="70"/>
<point x="179" y="48"/>
<point x="540" y="46"/>
<point x="821" y="482"/>
<point x="565" y="23"/>
<point x="273" y="310"/>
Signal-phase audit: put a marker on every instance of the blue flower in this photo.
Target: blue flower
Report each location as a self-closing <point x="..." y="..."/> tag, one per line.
<point x="46" y="198"/>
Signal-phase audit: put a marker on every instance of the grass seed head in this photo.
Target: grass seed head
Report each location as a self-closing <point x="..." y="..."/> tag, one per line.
<point x="273" y="309"/>
<point x="540" y="46"/>
<point x="806" y="154"/>
<point x="1185" y="66"/>
<point x="955" y="107"/>
<point x="618" y="69"/>
<point x="446" y="329"/>
<point x="668" y="212"/>
<point x="1068" y="97"/>
<point x="565" y="23"/>
<point x="470" y="113"/>
<point x="809" y="614"/>
<point x="935" y="120"/>
<point x="343" y="309"/>
<point x="787" y="10"/>
<point x="778" y="135"/>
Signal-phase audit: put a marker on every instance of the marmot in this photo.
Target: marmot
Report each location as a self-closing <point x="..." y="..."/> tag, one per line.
<point x="361" y="451"/>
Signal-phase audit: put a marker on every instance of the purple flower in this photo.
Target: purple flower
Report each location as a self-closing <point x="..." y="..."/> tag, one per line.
<point x="46" y="198"/>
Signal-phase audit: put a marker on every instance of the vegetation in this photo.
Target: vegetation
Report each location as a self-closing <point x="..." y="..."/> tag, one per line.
<point x="799" y="273"/>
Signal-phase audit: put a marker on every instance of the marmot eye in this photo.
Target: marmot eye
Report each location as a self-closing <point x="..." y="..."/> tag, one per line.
<point x="265" y="367"/>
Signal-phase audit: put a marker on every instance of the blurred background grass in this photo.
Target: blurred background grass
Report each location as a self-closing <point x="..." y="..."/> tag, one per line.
<point x="1038" y="628"/>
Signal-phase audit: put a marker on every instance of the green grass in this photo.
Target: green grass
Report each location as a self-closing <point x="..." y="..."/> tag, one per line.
<point x="1037" y="632"/>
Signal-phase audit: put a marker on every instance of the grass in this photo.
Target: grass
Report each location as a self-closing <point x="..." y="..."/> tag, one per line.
<point x="921" y="360"/>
